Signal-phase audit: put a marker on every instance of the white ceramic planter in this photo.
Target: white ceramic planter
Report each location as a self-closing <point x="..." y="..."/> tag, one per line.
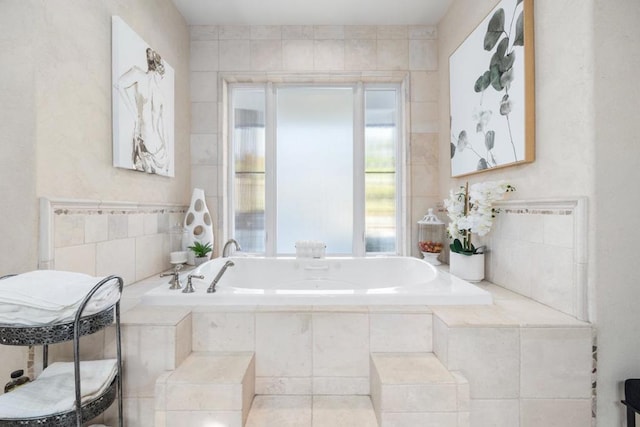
<point x="467" y="267"/>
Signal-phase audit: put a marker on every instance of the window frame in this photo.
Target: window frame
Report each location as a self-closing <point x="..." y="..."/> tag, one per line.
<point x="359" y="207"/>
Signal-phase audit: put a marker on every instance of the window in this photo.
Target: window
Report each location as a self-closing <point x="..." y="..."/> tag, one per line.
<point x="315" y="163"/>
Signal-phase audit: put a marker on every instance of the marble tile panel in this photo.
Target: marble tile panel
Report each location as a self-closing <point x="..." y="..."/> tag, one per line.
<point x="118" y="226"/>
<point x="266" y="55"/>
<point x="151" y="256"/>
<point x="235" y="55"/>
<point x="183" y="340"/>
<point x="154" y="316"/>
<point x="96" y="228"/>
<point x="135" y="225"/>
<point x="392" y="32"/>
<point x="204" y="418"/>
<point x="283" y="344"/>
<point x="554" y="282"/>
<point x="531" y="228"/>
<point x="556" y="362"/>
<point x="340" y="345"/>
<point x="284" y="385"/>
<point x="204" y="149"/>
<point x="204" y="55"/>
<point x="555" y="412"/>
<point x="81" y="259"/>
<point x="422" y="419"/>
<point x="150" y="223"/>
<point x="341" y="385"/>
<point x="422" y="32"/>
<point x="280" y="411"/>
<point x="204" y="117"/>
<point x="204" y="397"/>
<point x="297" y="32"/>
<point x="419" y="397"/>
<point x="423" y="55"/>
<point x="68" y="230"/>
<point x="203" y="32"/>
<point x="266" y="32"/>
<point x="495" y="412"/>
<point x="489" y="358"/>
<point x="392" y="55"/>
<point x="360" y="54"/>
<point x="424" y="180"/>
<point x="530" y="313"/>
<point x="137" y="412"/>
<point x="331" y="411"/>
<point x="360" y="32"/>
<point x="401" y="332"/>
<point x="234" y="32"/>
<point x="559" y="230"/>
<point x="328" y="32"/>
<point x="147" y="352"/>
<point x="206" y="178"/>
<point x="328" y="55"/>
<point x="425" y="86"/>
<point x="216" y="331"/>
<point x="117" y="257"/>
<point x="474" y="315"/>
<point x="297" y="55"/>
<point x="441" y="340"/>
<point x="204" y="86"/>
<point x="424" y="117"/>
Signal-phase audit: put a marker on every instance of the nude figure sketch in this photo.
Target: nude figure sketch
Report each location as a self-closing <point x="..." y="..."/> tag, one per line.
<point x="141" y="92"/>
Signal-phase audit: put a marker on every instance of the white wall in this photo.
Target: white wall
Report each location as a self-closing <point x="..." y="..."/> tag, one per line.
<point x="617" y="200"/>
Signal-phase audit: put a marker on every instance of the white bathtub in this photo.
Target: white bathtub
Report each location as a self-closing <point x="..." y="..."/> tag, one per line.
<point x="330" y="281"/>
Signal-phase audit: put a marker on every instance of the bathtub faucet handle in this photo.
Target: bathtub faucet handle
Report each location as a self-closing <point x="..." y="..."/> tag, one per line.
<point x="189" y="288"/>
<point x="175" y="277"/>
<point x="212" y="288"/>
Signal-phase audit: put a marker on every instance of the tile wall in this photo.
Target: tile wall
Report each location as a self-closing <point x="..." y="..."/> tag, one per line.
<point x="408" y="54"/>
<point x="538" y="249"/>
<point x="131" y="240"/>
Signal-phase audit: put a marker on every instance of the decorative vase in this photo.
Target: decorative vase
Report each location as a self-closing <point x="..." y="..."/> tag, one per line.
<point x="197" y="223"/>
<point x="467" y="267"/>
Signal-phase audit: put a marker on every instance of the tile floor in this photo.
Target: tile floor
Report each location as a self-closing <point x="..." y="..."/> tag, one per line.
<point x="311" y="411"/>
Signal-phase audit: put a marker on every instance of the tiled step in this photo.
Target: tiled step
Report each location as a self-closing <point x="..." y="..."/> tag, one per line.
<point x="311" y="411"/>
<point x="207" y="389"/>
<point x="411" y="389"/>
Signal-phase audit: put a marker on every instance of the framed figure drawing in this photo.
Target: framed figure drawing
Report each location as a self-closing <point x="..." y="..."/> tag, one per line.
<point x="491" y="78"/>
<point x="143" y="104"/>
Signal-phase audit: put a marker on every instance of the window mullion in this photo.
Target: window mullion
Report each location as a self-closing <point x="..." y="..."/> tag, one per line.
<point x="270" y="172"/>
<point x="359" y="248"/>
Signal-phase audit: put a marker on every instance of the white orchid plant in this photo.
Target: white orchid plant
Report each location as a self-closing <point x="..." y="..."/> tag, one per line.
<point x="471" y="210"/>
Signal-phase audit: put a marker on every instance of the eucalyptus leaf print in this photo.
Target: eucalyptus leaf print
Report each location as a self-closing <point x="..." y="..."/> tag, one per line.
<point x="487" y="91"/>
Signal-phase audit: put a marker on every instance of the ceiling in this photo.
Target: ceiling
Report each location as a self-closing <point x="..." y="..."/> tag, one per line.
<point x="312" y="12"/>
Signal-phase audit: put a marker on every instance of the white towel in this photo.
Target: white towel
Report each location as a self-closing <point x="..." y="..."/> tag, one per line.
<point x="54" y="390"/>
<point x="48" y="296"/>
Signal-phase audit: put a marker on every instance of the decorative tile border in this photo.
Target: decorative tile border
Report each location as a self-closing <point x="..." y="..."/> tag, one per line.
<point x="50" y="208"/>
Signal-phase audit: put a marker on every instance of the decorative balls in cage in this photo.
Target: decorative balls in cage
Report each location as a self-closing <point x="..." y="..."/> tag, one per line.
<point x="431" y="237"/>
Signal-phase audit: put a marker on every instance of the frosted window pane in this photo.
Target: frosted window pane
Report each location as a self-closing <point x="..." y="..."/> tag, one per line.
<point x="249" y="172"/>
<point x="380" y="168"/>
<point x="315" y="168"/>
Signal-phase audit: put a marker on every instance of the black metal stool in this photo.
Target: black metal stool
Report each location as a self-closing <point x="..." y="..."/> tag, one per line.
<point x="632" y="400"/>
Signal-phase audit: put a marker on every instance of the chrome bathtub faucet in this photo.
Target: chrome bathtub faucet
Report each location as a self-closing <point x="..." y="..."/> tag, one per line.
<point x="226" y="247"/>
<point x="212" y="288"/>
<point x="189" y="288"/>
<point x="175" y="277"/>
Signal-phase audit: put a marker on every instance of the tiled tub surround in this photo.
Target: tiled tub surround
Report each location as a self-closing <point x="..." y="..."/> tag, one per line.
<point x="101" y="238"/>
<point x="526" y="364"/>
<point x="316" y="54"/>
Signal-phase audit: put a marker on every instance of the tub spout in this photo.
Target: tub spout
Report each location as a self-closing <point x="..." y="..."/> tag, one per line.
<point x="230" y="242"/>
<point x="212" y="287"/>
